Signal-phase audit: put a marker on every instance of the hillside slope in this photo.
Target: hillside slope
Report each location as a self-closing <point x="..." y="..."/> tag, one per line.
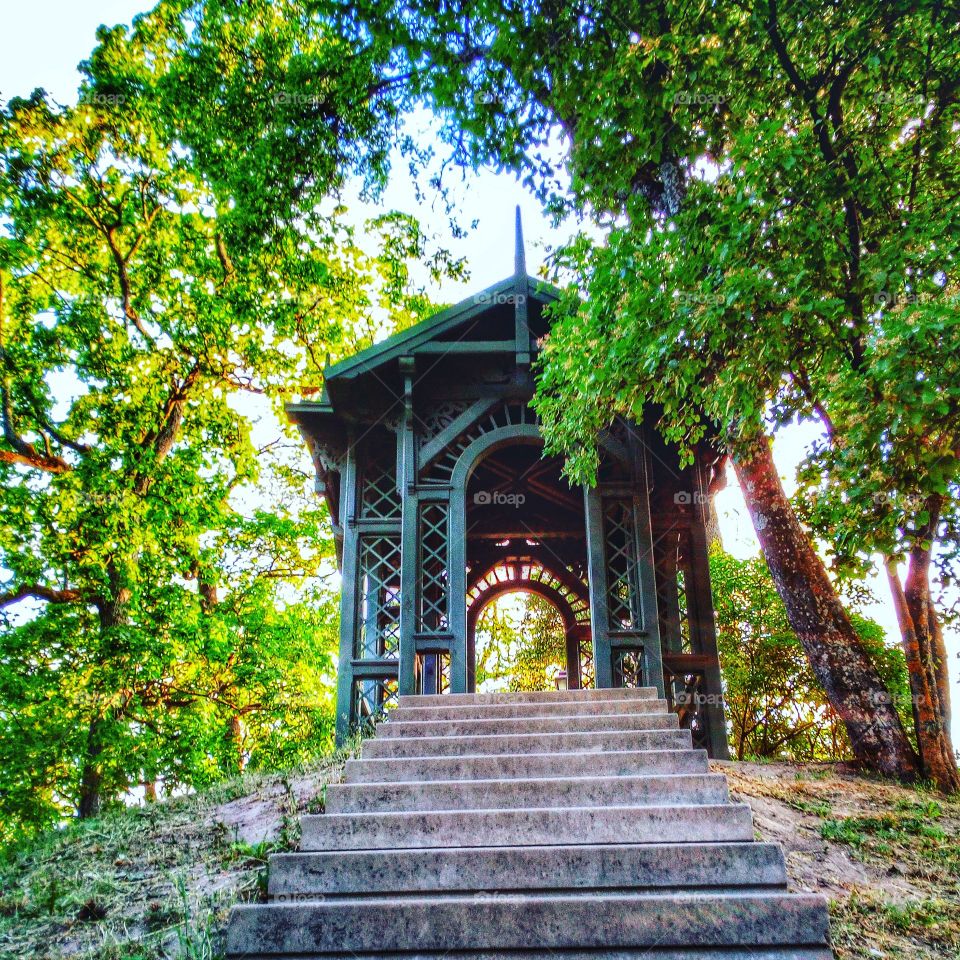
<point x="159" y="881"/>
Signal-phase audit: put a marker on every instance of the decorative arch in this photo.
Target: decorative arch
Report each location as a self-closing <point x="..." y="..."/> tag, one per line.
<point x="529" y="576"/>
<point x="504" y="575"/>
<point x="508" y="419"/>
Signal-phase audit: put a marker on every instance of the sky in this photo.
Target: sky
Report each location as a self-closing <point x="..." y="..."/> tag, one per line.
<point x="43" y="41"/>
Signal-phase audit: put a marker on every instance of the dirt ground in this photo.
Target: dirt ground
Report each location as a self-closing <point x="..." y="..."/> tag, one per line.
<point x="887" y="856"/>
<point x="158" y="881"/>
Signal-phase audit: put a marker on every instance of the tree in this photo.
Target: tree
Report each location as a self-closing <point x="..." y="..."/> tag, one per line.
<point x="774" y="704"/>
<point x="520" y="643"/>
<point x="741" y="164"/>
<point x="173" y="255"/>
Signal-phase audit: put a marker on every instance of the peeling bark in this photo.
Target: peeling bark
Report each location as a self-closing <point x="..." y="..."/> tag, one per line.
<point x="926" y="657"/>
<point x="850" y="679"/>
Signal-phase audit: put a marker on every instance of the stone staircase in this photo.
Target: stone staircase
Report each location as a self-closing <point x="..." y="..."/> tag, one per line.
<point x="568" y="824"/>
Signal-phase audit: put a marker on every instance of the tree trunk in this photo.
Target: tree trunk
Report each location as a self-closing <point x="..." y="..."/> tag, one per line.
<point x="91" y="778"/>
<point x="235" y="737"/>
<point x="926" y="657"/>
<point x="716" y="481"/>
<point x="850" y="679"/>
<point x="112" y="614"/>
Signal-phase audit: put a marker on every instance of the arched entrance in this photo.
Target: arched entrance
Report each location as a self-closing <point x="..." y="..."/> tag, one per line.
<point x="525" y="531"/>
<point x="525" y="574"/>
<point x="518" y="643"/>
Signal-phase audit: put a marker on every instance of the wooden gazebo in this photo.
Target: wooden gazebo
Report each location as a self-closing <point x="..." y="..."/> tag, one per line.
<point x="430" y="458"/>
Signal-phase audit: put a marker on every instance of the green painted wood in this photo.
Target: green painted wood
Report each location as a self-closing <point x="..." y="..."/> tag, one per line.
<point x="348" y="596"/>
<point x="457" y="570"/>
<point x="445" y="437"/>
<point x="597" y="569"/>
<point x="464" y="347"/>
<point x="374" y="669"/>
<point x="408" y="341"/>
<point x="645" y="561"/>
<point x="433" y="642"/>
<point x="406" y="479"/>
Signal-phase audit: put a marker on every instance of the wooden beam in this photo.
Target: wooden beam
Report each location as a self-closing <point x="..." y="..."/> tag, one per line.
<point x="452" y="430"/>
<point x="465" y="347"/>
<point x="552" y="533"/>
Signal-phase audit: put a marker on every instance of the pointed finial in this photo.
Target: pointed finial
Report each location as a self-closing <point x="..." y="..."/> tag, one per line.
<point x="519" y="257"/>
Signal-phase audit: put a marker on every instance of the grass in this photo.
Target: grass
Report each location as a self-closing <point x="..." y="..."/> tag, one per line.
<point x="868" y="925"/>
<point x="149" y="882"/>
<point x="159" y="881"/>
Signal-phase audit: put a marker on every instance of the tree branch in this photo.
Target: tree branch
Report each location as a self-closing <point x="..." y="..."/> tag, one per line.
<point x="40" y="593"/>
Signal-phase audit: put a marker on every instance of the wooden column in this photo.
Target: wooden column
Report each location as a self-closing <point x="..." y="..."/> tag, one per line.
<point x="457" y="596"/>
<point x="410" y="507"/>
<point x="647" y="586"/>
<point x="348" y="597"/>
<point x="597" y="575"/>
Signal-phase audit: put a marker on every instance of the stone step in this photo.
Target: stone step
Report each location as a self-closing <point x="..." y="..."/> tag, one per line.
<point x="615" y="763"/>
<point x="597" y="953"/>
<point x="490" y="711"/>
<point x="702" y="823"/>
<point x="527" y="794"/>
<point x="508" y="922"/>
<point x="453" y="870"/>
<point x="576" y="742"/>
<point x="539" y="696"/>
<point x="538" y="725"/>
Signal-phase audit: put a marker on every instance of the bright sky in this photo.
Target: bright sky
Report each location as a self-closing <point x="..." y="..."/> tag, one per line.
<point x="42" y="42"/>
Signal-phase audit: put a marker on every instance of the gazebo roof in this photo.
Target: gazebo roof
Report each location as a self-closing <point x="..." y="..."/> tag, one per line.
<point x="469" y="327"/>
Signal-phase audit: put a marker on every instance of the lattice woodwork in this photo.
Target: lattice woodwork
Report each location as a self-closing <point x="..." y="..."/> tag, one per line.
<point x="628" y="668"/>
<point x="434" y="588"/>
<point x="672" y="576"/>
<point x="379" y="498"/>
<point x="623" y="590"/>
<point x="588" y="674"/>
<point x="378" y="616"/>
<point x="371" y="701"/>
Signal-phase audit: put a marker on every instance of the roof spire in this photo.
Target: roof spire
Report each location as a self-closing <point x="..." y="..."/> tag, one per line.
<point x="519" y="257"/>
<point x="521" y="288"/>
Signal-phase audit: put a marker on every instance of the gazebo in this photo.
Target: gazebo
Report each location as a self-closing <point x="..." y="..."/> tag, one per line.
<point x="430" y="458"/>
